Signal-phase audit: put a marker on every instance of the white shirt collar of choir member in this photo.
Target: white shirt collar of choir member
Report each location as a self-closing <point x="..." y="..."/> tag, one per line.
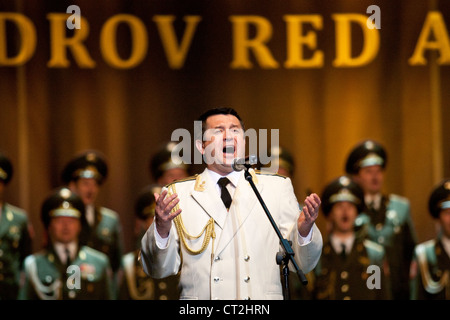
<point x="368" y="198"/>
<point x="337" y="242"/>
<point x="60" y="249"/>
<point x="90" y="214"/>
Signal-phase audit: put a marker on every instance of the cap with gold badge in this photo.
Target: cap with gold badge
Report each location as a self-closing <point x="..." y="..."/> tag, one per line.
<point x="283" y="159"/>
<point x="439" y="198"/>
<point x="6" y="169"/>
<point x="366" y="153"/>
<point x="62" y="202"/>
<point x="342" y="189"/>
<point x="89" y="164"/>
<point x="167" y="157"/>
<point x="145" y="203"/>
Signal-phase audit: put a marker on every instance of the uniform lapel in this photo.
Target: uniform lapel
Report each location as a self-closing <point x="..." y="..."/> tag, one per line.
<point x="54" y="259"/>
<point x="4" y="220"/>
<point x="244" y="202"/>
<point x="206" y="195"/>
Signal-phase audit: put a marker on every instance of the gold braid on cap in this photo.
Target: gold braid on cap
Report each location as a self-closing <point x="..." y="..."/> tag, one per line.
<point x="208" y="230"/>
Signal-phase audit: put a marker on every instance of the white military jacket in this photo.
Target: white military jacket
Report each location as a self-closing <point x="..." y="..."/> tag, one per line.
<point x="239" y="261"/>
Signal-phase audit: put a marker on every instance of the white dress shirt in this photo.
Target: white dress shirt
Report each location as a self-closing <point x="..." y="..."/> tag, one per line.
<point x="60" y="249"/>
<point x="90" y="214"/>
<point x="337" y="243"/>
<point x="373" y="199"/>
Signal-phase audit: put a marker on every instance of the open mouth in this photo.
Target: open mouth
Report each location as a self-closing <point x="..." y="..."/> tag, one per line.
<point x="228" y="149"/>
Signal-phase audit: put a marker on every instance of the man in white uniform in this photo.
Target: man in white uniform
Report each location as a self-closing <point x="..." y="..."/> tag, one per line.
<point x="226" y="248"/>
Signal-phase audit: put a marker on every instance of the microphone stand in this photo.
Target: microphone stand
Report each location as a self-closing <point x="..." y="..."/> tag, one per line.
<point x="282" y="258"/>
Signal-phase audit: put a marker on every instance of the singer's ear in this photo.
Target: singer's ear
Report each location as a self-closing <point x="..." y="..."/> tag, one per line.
<point x="199" y="146"/>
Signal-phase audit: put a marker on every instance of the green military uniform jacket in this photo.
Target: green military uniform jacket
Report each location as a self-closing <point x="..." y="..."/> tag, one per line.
<point x="136" y="285"/>
<point x="15" y="245"/>
<point x="391" y="226"/>
<point x="87" y="278"/>
<point x="338" y="278"/>
<point x="104" y="235"/>
<point x="432" y="280"/>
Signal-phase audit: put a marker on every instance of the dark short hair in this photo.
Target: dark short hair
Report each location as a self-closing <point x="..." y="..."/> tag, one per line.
<point x="216" y="111"/>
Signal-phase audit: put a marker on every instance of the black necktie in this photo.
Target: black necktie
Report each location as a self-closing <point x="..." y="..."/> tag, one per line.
<point x="371" y="206"/>
<point x="343" y="255"/>
<point x="67" y="252"/>
<point x="225" y="195"/>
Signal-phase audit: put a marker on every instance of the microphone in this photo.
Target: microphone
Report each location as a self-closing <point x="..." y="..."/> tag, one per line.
<point x="242" y="163"/>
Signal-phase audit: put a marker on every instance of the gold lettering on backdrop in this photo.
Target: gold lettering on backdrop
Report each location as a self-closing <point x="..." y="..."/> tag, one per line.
<point x="371" y="41"/>
<point x="434" y="25"/>
<point x="242" y="44"/>
<point x="139" y="42"/>
<point x="59" y="43"/>
<point x="176" y="54"/>
<point x="27" y="39"/>
<point x="296" y="41"/>
<point x="250" y="40"/>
